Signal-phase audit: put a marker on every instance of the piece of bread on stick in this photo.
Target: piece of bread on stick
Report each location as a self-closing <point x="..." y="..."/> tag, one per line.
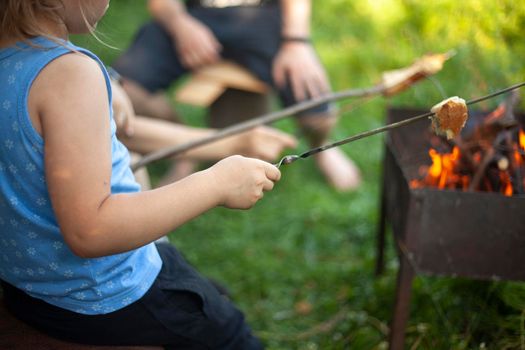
<point x="449" y="117"/>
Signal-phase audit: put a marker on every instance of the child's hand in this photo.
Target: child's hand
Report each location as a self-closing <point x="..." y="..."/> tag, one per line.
<point x="264" y="143"/>
<point x="241" y="181"/>
<point x="123" y="111"/>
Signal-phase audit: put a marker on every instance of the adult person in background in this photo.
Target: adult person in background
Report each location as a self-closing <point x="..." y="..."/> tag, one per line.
<point x="270" y="38"/>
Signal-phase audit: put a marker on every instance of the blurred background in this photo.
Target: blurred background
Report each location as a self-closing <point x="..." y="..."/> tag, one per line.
<point x="306" y="252"/>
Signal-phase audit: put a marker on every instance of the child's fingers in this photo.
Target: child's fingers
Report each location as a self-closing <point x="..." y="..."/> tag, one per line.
<point x="129" y="128"/>
<point x="272" y="173"/>
<point x="268" y="185"/>
<point x="286" y="140"/>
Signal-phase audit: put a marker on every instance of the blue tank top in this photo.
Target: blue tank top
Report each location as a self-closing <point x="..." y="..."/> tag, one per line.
<point x="33" y="254"/>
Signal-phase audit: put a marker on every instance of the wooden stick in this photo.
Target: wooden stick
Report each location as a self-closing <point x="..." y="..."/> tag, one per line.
<point x="252" y="123"/>
<point x="489" y="155"/>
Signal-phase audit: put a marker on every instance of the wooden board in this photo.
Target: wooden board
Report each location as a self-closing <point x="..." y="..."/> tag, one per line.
<point x="209" y="82"/>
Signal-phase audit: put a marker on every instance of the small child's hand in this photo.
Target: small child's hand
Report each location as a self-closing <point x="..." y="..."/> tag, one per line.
<point x="241" y="181"/>
<point x="264" y="143"/>
<point x="123" y="111"/>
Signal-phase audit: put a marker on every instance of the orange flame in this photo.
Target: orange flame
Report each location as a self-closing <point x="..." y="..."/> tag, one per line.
<point x="436" y="168"/>
<point x="508" y="190"/>
<point x="506" y="183"/>
<point x="442" y="171"/>
<point x="447" y="171"/>
<point x="518" y="159"/>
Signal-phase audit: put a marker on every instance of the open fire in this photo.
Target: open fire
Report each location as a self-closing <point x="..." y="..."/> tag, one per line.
<point x="459" y="232"/>
<point x="488" y="156"/>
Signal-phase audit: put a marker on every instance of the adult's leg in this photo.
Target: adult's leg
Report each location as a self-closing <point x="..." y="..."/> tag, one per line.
<point x="251" y="37"/>
<point x="339" y="170"/>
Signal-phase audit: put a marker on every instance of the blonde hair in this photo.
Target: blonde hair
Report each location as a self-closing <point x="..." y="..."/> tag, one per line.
<point x="20" y="19"/>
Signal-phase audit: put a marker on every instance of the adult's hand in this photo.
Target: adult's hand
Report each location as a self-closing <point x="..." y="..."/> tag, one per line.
<point x="297" y="63"/>
<point x="195" y="42"/>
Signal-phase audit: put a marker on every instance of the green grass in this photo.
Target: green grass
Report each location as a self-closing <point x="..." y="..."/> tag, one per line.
<point x="305" y="252"/>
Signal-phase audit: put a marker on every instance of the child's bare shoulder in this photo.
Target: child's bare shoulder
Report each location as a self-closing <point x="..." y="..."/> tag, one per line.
<point x="70" y="76"/>
<point x="72" y="67"/>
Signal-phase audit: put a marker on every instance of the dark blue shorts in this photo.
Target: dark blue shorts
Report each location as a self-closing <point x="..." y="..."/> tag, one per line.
<point x="250" y="36"/>
<point x="181" y="310"/>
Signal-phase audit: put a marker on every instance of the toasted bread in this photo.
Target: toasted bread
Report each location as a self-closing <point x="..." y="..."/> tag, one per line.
<point x="449" y="117"/>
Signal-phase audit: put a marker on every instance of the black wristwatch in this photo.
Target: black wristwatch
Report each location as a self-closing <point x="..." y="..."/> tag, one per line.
<point x="299" y="39"/>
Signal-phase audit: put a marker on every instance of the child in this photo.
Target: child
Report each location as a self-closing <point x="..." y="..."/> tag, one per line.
<point x="77" y="260"/>
<point x="142" y="135"/>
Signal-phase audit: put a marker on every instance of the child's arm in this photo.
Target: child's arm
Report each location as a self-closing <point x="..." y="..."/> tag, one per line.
<point x="68" y="105"/>
<point x="153" y="134"/>
<point x="144" y="135"/>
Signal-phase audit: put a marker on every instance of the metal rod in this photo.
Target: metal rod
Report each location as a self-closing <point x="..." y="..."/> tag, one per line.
<point x="365" y="134"/>
<point x="292" y="158"/>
